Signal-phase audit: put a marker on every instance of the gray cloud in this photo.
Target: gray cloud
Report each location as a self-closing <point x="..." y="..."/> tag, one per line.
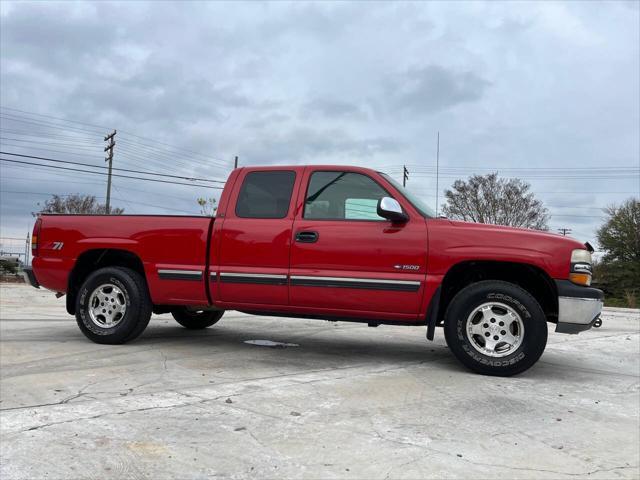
<point x="310" y="145"/>
<point x="433" y="88"/>
<point x="333" y="109"/>
<point x="542" y="85"/>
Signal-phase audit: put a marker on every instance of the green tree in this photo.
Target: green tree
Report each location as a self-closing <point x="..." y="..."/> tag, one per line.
<point x="618" y="272"/>
<point x="490" y="199"/>
<point x="82" y="204"/>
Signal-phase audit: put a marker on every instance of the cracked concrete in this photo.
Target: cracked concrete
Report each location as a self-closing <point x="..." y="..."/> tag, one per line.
<point x="348" y="402"/>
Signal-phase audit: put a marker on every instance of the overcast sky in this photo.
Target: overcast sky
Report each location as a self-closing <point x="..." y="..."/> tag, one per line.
<point x="541" y="86"/>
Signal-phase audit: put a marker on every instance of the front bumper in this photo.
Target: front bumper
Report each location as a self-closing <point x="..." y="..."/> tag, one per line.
<point x="30" y="277"/>
<point x="578" y="307"/>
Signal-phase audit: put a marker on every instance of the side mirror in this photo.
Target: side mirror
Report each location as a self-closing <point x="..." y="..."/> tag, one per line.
<point x="390" y="209"/>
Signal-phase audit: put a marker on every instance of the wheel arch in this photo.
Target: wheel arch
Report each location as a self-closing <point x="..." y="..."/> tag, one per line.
<point x="529" y="277"/>
<point x="93" y="259"/>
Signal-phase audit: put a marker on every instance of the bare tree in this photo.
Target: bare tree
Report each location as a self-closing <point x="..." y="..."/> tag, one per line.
<point x="489" y="199"/>
<point x="208" y="206"/>
<point x="83" y="204"/>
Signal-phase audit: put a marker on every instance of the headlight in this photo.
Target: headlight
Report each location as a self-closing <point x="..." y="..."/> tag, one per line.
<point x="581" y="270"/>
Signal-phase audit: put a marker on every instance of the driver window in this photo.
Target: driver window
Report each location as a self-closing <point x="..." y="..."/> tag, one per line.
<point x="342" y="196"/>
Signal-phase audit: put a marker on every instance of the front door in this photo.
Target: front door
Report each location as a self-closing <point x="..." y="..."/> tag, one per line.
<point x="254" y="239"/>
<point x="345" y="259"/>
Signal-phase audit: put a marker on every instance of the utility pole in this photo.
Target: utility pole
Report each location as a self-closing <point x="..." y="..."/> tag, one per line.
<point x="235" y="162"/>
<point x="437" y="173"/>
<point x="26" y="251"/>
<point x="109" y="148"/>
<point x="565" y="231"/>
<point x="405" y="175"/>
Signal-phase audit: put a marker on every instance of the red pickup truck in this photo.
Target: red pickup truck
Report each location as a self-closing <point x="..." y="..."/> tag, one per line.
<point x="324" y="242"/>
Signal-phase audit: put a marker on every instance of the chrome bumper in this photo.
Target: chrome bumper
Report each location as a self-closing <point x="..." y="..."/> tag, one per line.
<point x="578" y="307"/>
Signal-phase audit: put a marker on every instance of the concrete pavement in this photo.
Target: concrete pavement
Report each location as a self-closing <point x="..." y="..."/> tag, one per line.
<point x="348" y="402"/>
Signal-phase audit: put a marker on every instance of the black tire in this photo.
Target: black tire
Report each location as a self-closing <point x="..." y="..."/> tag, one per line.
<point x="494" y="292"/>
<point x="134" y="294"/>
<point x="196" y="320"/>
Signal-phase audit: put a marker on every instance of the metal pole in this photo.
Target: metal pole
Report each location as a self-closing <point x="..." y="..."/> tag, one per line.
<point x="437" y="173"/>
<point x="109" y="148"/>
<point x="235" y="162"/>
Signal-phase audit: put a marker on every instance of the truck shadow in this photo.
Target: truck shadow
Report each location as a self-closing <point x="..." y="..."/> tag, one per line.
<point x="341" y="342"/>
<point x="337" y="345"/>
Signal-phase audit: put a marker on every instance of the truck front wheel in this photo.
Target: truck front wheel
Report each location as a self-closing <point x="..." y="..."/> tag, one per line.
<point x="113" y="305"/>
<point x="495" y="328"/>
<point x="196" y="319"/>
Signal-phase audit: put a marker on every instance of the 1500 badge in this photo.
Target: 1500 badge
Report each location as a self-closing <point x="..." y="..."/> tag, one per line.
<point x="407" y="267"/>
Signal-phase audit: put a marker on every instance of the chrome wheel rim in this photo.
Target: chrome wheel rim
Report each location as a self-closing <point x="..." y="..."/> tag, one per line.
<point x="107" y="305"/>
<point x="495" y="329"/>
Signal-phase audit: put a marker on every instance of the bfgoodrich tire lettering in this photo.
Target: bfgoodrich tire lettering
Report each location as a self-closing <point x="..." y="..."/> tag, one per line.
<point x="506" y="299"/>
<point x="137" y="305"/>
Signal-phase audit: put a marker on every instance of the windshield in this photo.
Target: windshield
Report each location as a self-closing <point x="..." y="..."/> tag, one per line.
<point x="417" y="203"/>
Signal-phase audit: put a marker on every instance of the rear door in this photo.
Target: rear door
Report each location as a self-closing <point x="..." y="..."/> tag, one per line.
<point x="345" y="259"/>
<point x="253" y="238"/>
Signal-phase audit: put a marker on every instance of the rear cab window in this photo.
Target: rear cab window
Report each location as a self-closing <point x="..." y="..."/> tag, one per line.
<point x="265" y="194"/>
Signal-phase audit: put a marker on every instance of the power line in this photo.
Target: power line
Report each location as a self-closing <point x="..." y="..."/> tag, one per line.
<point x="52" y="117"/>
<point x="176" y="150"/>
<point x="621" y="176"/>
<point x="43" y="149"/>
<point x="118" y="169"/>
<point x="44" y="134"/>
<point x="66" y="127"/>
<point x="591" y="192"/>
<point x="174" y="147"/>
<point x="43" y="180"/>
<point x="427" y="168"/>
<point x="115" y="175"/>
<point x="75" y="145"/>
<point x="162" y="157"/>
<point x="565" y="192"/>
<point x="85" y="182"/>
<point x="578" y="207"/>
<point x="175" y="158"/>
<point x="38" y="121"/>
<point x="143" y="149"/>
<point x="576" y="216"/>
<point x="46" y="194"/>
<point x="32" y="121"/>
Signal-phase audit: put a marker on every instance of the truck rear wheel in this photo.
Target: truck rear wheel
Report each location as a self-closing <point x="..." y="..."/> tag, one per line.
<point x="113" y="305"/>
<point x="495" y="328"/>
<point x="196" y="319"/>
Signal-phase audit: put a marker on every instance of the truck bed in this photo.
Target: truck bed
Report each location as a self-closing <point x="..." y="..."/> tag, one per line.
<point x="165" y="243"/>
